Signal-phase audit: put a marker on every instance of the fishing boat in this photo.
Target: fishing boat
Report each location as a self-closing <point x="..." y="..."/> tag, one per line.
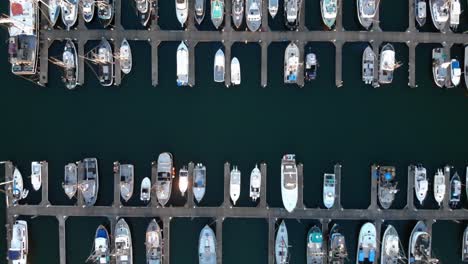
<point x="368" y="62"/>
<point x="53" y="8"/>
<point x="88" y="7"/>
<point x="217" y="12"/>
<point x="207" y="246"/>
<point x="314" y="253"/>
<point x="390" y="252"/>
<point x="145" y="190"/>
<point x="36" y="175"/>
<point x="329" y="190"/>
<point x="291" y="63"/>
<point x="455" y="12"/>
<point x="182" y="58"/>
<point x="70" y="65"/>
<point x="466" y="69"/>
<point x="419" y="246"/>
<point x="199" y="11"/>
<point x="439" y="13"/>
<point x="89" y="181"/>
<point x="199" y="182"/>
<point x="125" y="57"/>
<point x="367" y="244"/>
<point x="289" y="190"/>
<point x="235" y="72"/>
<point x="181" y="11"/>
<point x="105" y="61"/>
<point x="329" y="10"/>
<point x="291" y="13"/>
<point x="165" y="173"/>
<point x="439" y="187"/>
<point x="123" y="243"/>
<point x="143" y="11"/>
<point x="18" y="190"/>
<point x="70" y="181"/>
<point x="237" y="12"/>
<point x="439" y="67"/>
<point x="105" y="11"/>
<point x="455" y="191"/>
<point x="420" y="183"/>
<point x="101" y="249"/>
<point x="420" y="9"/>
<point x="366" y="10"/>
<point x="282" y="245"/>
<point x="311" y="67"/>
<point x="387" y="64"/>
<point x="183" y="180"/>
<point x="337" y="251"/>
<point x="19" y="245"/>
<point x="218" y="68"/>
<point x="153" y="243"/>
<point x="273" y="7"/>
<point x="387" y="187"/>
<point x="69" y="13"/>
<point x="127" y="179"/>
<point x="235" y="185"/>
<point x="253" y="14"/>
<point x="255" y="183"/>
<point x="465" y="245"/>
<point x="455" y="72"/>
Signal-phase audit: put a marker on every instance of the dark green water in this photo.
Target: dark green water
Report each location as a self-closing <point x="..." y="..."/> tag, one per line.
<point x="355" y="125"/>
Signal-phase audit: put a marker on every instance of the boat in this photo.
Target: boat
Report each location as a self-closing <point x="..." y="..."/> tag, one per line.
<point x="199" y="182"/>
<point x="101" y="250"/>
<point x="70" y="181"/>
<point x="153" y="243"/>
<point x="253" y="14"/>
<point x="439" y="13"/>
<point x="368" y="62"/>
<point x="105" y="11"/>
<point x="273" y="7"/>
<point x="181" y="11"/>
<point x="367" y="244"/>
<point x="89" y="181"/>
<point x="145" y="190"/>
<point x="329" y="190"/>
<point x="183" y="180"/>
<point x="199" y="11"/>
<point x="143" y="11"/>
<point x="314" y="253"/>
<point x="337" y="251"/>
<point x="53" y="7"/>
<point x="125" y="57"/>
<point x="88" y="7"/>
<point x="439" y="187"/>
<point x="235" y="185"/>
<point x="123" y="243"/>
<point x="455" y="12"/>
<point x="282" y="245"/>
<point x="127" y="179"/>
<point x="217" y="12"/>
<point x="390" y="252"/>
<point x="387" y="186"/>
<point x="311" y="67"/>
<point x="419" y="246"/>
<point x="235" y="72"/>
<point x="207" y="246"/>
<point x="466" y="69"/>
<point x="291" y="13"/>
<point x="465" y="245"/>
<point x="455" y="191"/>
<point x="36" y="175"/>
<point x="165" y="173"/>
<point x="387" y="64"/>
<point x="105" y="61"/>
<point x="329" y="10"/>
<point x="439" y="67"/>
<point x="70" y="65"/>
<point x="289" y="190"/>
<point x="18" y="190"/>
<point x="455" y="72"/>
<point x="420" y="9"/>
<point x="291" y="63"/>
<point x="366" y="10"/>
<point x="238" y="12"/>
<point x="255" y="183"/>
<point x="420" y="183"/>
<point x="69" y="13"/>
<point x="182" y="58"/>
<point x="19" y="245"/>
<point x="218" y="69"/>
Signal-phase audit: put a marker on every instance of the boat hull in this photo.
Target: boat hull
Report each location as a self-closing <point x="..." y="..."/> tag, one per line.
<point x="54" y="12"/>
<point x="106" y="63"/>
<point x="368" y="65"/>
<point x="145" y="190"/>
<point x="105" y="12"/>
<point x="200" y="9"/>
<point x="281" y="244"/>
<point x="126" y="59"/>
<point x="69" y="13"/>
<point x="153" y="243"/>
<point x="122" y="230"/>
<point x="207" y="246"/>
<point x="217" y="12"/>
<point x="219" y="66"/>
<point x="390" y="252"/>
<point x="199" y="182"/>
<point x="182" y="12"/>
<point x="366" y="22"/>
<point x="367" y="244"/>
<point x="164" y="178"/>
<point x="70" y="59"/>
<point x="70" y="180"/>
<point x="253" y="14"/>
<point x="329" y="22"/>
<point x="237" y="12"/>
<point x="235" y="72"/>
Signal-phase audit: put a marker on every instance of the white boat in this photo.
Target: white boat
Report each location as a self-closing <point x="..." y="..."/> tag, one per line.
<point x="291" y="63"/>
<point x="181" y="11"/>
<point x="105" y="61"/>
<point x="289" y="189"/>
<point x="18" y="190"/>
<point x="88" y="7"/>
<point x="217" y="12"/>
<point x="199" y="182"/>
<point x="70" y="65"/>
<point x="255" y="183"/>
<point x="439" y="13"/>
<point x="183" y="180"/>
<point x="420" y="183"/>
<point x="125" y="57"/>
<point x="69" y="13"/>
<point x="237" y="11"/>
<point x="253" y="14"/>
<point x="368" y="62"/>
<point x="311" y="66"/>
<point x="36" y="175"/>
<point x="439" y="67"/>
<point x="218" y="68"/>
<point x="182" y="64"/>
<point x="105" y="11"/>
<point x="420" y="244"/>
<point x="390" y="252"/>
<point x="281" y="244"/>
<point x="165" y="173"/>
<point x="315" y="246"/>
<point x="387" y="64"/>
<point x="455" y="12"/>
<point x="101" y="251"/>
<point x="291" y="13"/>
<point x="89" y="181"/>
<point x="235" y="185"/>
<point x="127" y="180"/>
<point x="455" y="191"/>
<point x="70" y="181"/>
<point x="19" y="245"/>
<point x="53" y="6"/>
<point x="366" y="10"/>
<point x="153" y="243"/>
<point x="207" y="246"/>
<point x="145" y="190"/>
<point x="455" y="72"/>
<point x="235" y="72"/>
<point x="123" y="243"/>
<point x="329" y="189"/>
<point x="439" y="187"/>
<point x="367" y="244"/>
<point x="420" y="9"/>
<point x="273" y="7"/>
<point x="329" y="10"/>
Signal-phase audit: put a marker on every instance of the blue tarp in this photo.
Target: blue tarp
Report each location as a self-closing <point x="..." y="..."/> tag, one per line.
<point x="388" y="176"/>
<point x="361" y="256"/>
<point x="101" y="233"/>
<point x="372" y="255"/>
<point x="14" y="254"/>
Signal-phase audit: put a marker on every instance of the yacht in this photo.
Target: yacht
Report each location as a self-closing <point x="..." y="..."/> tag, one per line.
<point x="199" y="11"/>
<point x="123" y="243"/>
<point x="19" y="245"/>
<point x="101" y="251"/>
<point x="311" y="67"/>
<point x="387" y="187"/>
<point x="199" y="182"/>
<point x="368" y="62"/>
<point x="466" y="67"/>
<point x="455" y="12"/>
<point x="237" y="12"/>
<point x="235" y="72"/>
<point x="105" y="60"/>
<point x="419" y="246"/>
<point x="367" y="244"/>
<point x="89" y="181"/>
<point x="291" y="13"/>
<point x="207" y="246"/>
<point x="314" y="253"/>
<point x="235" y="185"/>
<point x="143" y="11"/>
<point x="465" y="245"/>
<point x="153" y="243"/>
<point x="182" y="64"/>
<point x="329" y="10"/>
<point x="18" y="190"/>
<point x="289" y="190"/>
<point x="420" y="9"/>
<point x="69" y="13"/>
<point x="455" y="191"/>
<point x="273" y="7"/>
<point x="390" y="252"/>
<point x="218" y="68"/>
<point x="217" y="12"/>
<point x="88" y="7"/>
<point x="439" y="13"/>
<point x="329" y="189"/>
<point x="282" y="245"/>
<point x="145" y="190"/>
<point x="420" y="183"/>
<point x="455" y="72"/>
<point x="255" y="183"/>
<point x="125" y="57"/>
<point x="36" y="175"/>
<point x="70" y="65"/>
<point x="439" y="187"/>
<point x="183" y="180"/>
<point x="291" y="63"/>
<point x="105" y="11"/>
<point x="70" y="181"/>
<point x="387" y="64"/>
<point x="337" y="251"/>
<point x="165" y="174"/>
<point x="439" y="67"/>
<point x="181" y="11"/>
<point x="127" y="179"/>
<point x="253" y="14"/>
<point x="53" y="7"/>
<point x="366" y="10"/>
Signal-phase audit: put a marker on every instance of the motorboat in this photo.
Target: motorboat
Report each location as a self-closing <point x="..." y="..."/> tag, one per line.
<point x="315" y="250"/>
<point x="387" y="186"/>
<point x="143" y="11"/>
<point x="440" y="12"/>
<point x="455" y="72"/>
<point x="387" y="64"/>
<point x="310" y="67"/>
<point x="101" y="248"/>
<point x="105" y="61"/>
<point x="235" y="185"/>
<point x="70" y="65"/>
<point x="420" y="9"/>
<point x="368" y="62"/>
<point x="153" y="243"/>
<point x="69" y="10"/>
<point x="36" y="175"/>
<point x="53" y="7"/>
<point x="182" y="58"/>
<point x="455" y="12"/>
<point x="199" y="182"/>
<point x="237" y="12"/>
<point x="329" y="190"/>
<point x="337" y="250"/>
<point x="165" y="173"/>
<point x="89" y="181"/>
<point x="181" y="11"/>
<point x="367" y="244"/>
<point x="125" y="57"/>
<point x="18" y="190"/>
<point x="455" y="191"/>
<point x="253" y="14"/>
<point x="19" y="243"/>
<point x="235" y="72"/>
<point x="439" y="187"/>
<point x="289" y="188"/>
<point x="127" y="179"/>
<point x="291" y="63"/>
<point x="255" y="183"/>
<point x="390" y="252"/>
<point x="366" y="10"/>
<point x="329" y="10"/>
<point x="281" y="244"/>
<point x="419" y="246"/>
<point x="218" y="68"/>
<point x="291" y="13"/>
<point x="70" y="181"/>
<point x="123" y="243"/>
<point x="207" y="246"/>
<point x="199" y="11"/>
<point x="183" y="180"/>
<point x="420" y="183"/>
<point x="465" y="245"/>
<point x="273" y="7"/>
<point x="439" y="67"/>
<point x="145" y="190"/>
<point x="105" y="11"/>
<point x="88" y="7"/>
<point x="217" y="12"/>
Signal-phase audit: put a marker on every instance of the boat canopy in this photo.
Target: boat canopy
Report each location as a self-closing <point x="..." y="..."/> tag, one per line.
<point x="14" y="254"/>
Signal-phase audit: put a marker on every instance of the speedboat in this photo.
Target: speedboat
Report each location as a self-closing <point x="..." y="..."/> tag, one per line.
<point x="455" y="12"/>
<point x="18" y="190"/>
<point x="253" y="14"/>
<point x="368" y="62"/>
<point x="105" y="61"/>
<point x="420" y="9"/>
<point x="390" y="252"/>
<point x="19" y="245"/>
<point x="235" y="185"/>
<point x="101" y="253"/>
<point x="291" y="14"/>
<point x="337" y="251"/>
<point x="143" y="11"/>
<point x="165" y="174"/>
<point x="439" y="67"/>
<point x="366" y="10"/>
<point x="89" y="181"/>
<point x="439" y="187"/>
<point x="53" y="7"/>
<point x="199" y="11"/>
<point x="455" y="72"/>
<point x="207" y="246"/>
<point x="36" y="175"/>
<point x="125" y="57"/>
<point x="314" y="253"/>
<point x="88" y="7"/>
<point x="465" y="245"/>
<point x="387" y="187"/>
<point x="69" y="13"/>
<point x="255" y="183"/>
<point x="218" y="68"/>
<point x="439" y="13"/>
<point x="183" y="180"/>
<point x="237" y="12"/>
<point x="329" y="10"/>
<point x="282" y="245"/>
<point x="182" y="58"/>
<point x="235" y="72"/>
<point x="311" y="67"/>
<point x="123" y="243"/>
<point x="181" y="11"/>
<point x="273" y="7"/>
<point x="329" y="189"/>
<point x="289" y="189"/>
<point x="387" y="64"/>
<point x="419" y="246"/>
<point x="217" y="12"/>
<point x="199" y="182"/>
<point x="105" y="11"/>
<point x="70" y="181"/>
<point x="420" y="183"/>
<point x="455" y="191"/>
<point x="127" y="180"/>
<point x="145" y="190"/>
<point x="367" y="244"/>
<point x="153" y="243"/>
<point x="70" y="65"/>
<point x="291" y="63"/>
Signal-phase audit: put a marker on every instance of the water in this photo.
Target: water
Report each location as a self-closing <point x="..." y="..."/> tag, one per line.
<point x="355" y="125"/>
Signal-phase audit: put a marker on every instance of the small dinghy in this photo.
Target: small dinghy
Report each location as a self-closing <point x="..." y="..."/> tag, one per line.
<point x="18" y="190"/>
<point x="70" y="181"/>
<point x="153" y="243"/>
<point x="255" y="183"/>
<point x="126" y="172"/>
<point x="235" y="72"/>
<point x="125" y="57"/>
<point x="199" y="182"/>
<point x="329" y="189"/>
<point x="439" y="187"/>
<point x="235" y="185"/>
<point x="36" y="175"/>
<point x="183" y="180"/>
<point x="145" y="190"/>
<point x="420" y="183"/>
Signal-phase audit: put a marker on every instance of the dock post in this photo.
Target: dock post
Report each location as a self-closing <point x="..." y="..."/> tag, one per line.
<point x="117" y="68"/>
<point x="190" y="202"/>
<point x="339" y="16"/>
<point x="411" y="18"/>
<point x="410" y="191"/>
<point x="154" y="18"/>
<point x="324" y="223"/>
<point x="219" y="240"/>
<point x="10" y="221"/>
<point x="45" y="183"/>
<point x="227" y="16"/>
<point x="44" y="61"/>
<point x="227" y="176"/>
<point x="191" y="19"/>
<point x="373" y="205"/>
<point x="116" y="202"/>
<point x="166" y="239"/>
<point x="338" y="63"/>
<point x="227" y="62"/>
<point x="271" y="240"/>
<point x="118" y="15"/>
<point x="154" y="177"/>
<point x="112" y="223"/>
<point x="300" y="183"/>
<point x="376" y="49"/>
<point x="412" y="64"/>
<point x="445" y="203"/>
<point x="62" y="239"/>
<point x="337" y="172"/>
<point x="264" y="64"/>
<point x="378" y="229"/>
<point x="263" y="186"/>
<point x="191" y="47"/>
<point x="265" y="27"/>
<point x="81" y="62"/>
<point x="300" y="78"/>
<point x="376" y="21"/>
<point x="79" y="195"/>
<point x="154" y="62"/>
<point x="302" y="10"/>
<point x="9" y="168"/>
